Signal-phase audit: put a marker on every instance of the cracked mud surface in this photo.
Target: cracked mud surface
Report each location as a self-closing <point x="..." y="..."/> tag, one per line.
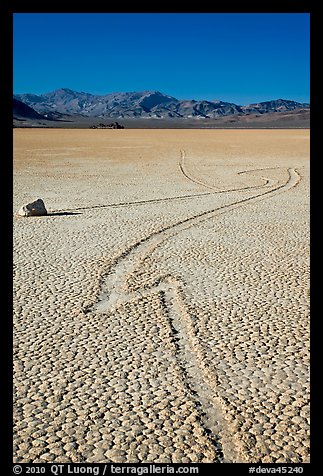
<point x="161" y="308"/>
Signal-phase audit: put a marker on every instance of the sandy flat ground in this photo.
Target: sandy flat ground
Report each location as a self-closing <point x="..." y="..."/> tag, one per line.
<point x="161" y="307"/>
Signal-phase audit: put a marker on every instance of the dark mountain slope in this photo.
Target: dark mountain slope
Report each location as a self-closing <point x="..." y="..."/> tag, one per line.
<point x="22" y="111"/>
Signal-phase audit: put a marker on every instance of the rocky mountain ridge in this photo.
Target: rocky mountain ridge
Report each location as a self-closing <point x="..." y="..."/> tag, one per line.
<point x="144" y="104"/>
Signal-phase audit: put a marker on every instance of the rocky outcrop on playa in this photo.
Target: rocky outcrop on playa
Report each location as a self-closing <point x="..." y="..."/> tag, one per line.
<point x="112" y="125"/>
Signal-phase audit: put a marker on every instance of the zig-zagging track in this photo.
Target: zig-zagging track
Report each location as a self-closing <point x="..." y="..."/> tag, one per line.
<point x="170" y="289"/>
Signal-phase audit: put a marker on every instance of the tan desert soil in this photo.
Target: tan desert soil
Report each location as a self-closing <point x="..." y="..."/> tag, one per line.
<point x="161" y="308"/>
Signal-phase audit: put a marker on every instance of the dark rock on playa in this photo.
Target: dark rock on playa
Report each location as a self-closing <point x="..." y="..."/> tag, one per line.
<point x="36" y="208"/>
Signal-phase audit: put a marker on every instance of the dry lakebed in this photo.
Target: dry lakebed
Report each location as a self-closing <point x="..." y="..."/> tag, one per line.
<point x="161" y="307"/>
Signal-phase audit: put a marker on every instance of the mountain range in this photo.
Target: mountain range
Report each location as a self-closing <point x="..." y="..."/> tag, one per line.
<point x="59" y="104"/>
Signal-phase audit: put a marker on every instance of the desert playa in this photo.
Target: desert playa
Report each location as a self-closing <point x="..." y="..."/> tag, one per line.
<point x="161" y="309"/>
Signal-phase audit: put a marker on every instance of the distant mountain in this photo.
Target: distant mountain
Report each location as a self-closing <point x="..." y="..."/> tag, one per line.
<point x="278" y="105"/>
<point x="144" y="104"/>
<point x="22" y="111"/>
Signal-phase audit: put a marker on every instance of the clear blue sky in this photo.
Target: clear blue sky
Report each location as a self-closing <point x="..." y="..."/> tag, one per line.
<point x="238" y="57"/>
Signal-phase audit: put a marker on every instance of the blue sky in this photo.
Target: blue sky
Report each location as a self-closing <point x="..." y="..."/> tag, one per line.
<point x="238" y="57"/>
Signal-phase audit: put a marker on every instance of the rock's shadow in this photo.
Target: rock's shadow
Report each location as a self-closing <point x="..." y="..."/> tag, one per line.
<point x="63" y="213"/>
